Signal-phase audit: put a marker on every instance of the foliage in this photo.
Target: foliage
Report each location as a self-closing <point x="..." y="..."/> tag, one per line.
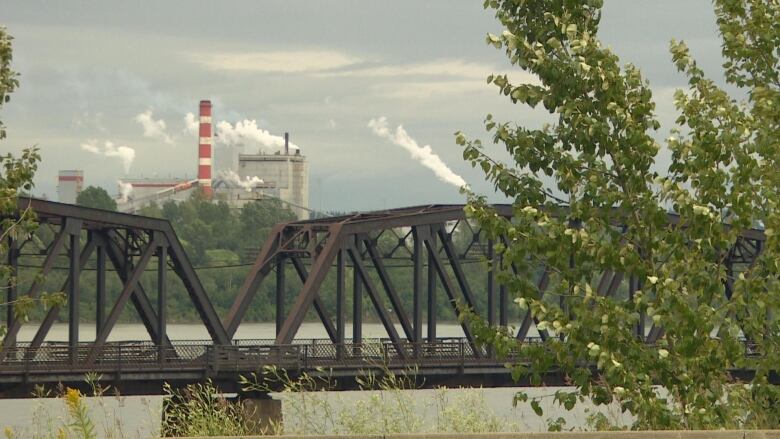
<point x="16" y="178"/>
<point x="97" y="197"/>
<point x="80" y="421"/>
<point x="387" y="403"/>
<point x="200" y="410"/>
<point x="588" y="200"/>
<point x="465" y="412"/>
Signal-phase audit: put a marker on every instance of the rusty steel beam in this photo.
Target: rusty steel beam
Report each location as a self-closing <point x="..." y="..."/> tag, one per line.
<point x="357" y="300"/>
<point x="319" y="305"/>
<point x="124" y="296"/>
<point x="525" y="325"/>
<point x="457" y="270"/>
<point x="183" y="268"/>
<point x="417" y="285"/>
<point x="392" y="294"/>
<point x="309" y="291"/>
<point x="260" y="269"/>
<point x="373" y="294"/>
<point x="449" y="288"/>
<point x="54" y="250"/>
<point x="13" y="279"/>
<point x="140" y="299"/>
<point x="54" y="311"/>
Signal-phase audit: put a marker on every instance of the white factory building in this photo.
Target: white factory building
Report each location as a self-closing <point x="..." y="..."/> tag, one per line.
<point x="229" y="174"/>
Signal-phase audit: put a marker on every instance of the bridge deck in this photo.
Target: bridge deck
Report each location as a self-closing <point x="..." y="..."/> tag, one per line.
<point x="142" y="367"/>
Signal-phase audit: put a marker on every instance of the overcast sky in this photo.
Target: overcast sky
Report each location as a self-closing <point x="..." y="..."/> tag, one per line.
<point x="318" y="69"/>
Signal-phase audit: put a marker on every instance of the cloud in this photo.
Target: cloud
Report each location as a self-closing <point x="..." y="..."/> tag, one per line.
<point x="288" y="61"/>
<point x="124" y="153"/>
<point x="191" y="124"/>
<point x="428" y="90"/>
<point x="438" y="68"/>
<point x="247" y="133"/>
<point x="88" y="120"/>
<point x="90" y="147"/>
<point x="423" y="154"/>
<point x="154" y="129"/>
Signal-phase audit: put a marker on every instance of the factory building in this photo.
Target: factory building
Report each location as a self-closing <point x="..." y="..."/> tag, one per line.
<point x="69" y="185"/>
<point x="285" y="175"/>
<point x="237" y="178"/>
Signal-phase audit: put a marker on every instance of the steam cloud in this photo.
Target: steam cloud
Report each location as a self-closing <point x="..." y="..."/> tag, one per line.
<point x="125" y="189"/>
<point x="124" y="153"/>
<point x="154" y="129"/>
<point x="246" y="132"/>
<point x="242" y="133"/>
<point x="248" y="183"/>
<point x="423" y="154"/>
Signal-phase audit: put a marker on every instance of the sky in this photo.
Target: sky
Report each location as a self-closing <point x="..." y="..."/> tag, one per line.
<point x="340" y="76"/>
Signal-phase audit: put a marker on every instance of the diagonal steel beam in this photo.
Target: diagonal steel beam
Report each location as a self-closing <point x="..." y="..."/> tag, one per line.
<point x="525" y="325"/>
<point x="319" y="306"/>
<point x="310" y="288"/>
<point x="395" y="300"/>
<point x="606" y="277"/>
<point x="124" y="296"/>
<point x="260" y="269"/>
<point x="449" y="288"/>
<point x="140" y="299"/>
<point x="54" y="250"/>
<point x="373" y="294"/>
<point x="54" y="311"/>
<point x="457" y="270"/>
<point x="183" y="268"/>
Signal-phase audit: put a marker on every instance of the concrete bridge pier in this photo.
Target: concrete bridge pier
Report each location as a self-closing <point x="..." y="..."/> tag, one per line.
<point x="264" y="411"/>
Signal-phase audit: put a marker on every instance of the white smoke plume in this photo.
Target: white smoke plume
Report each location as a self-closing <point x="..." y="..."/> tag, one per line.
<point x="423" y="154"/>
<point x="124" y="153"/>
<point x="155" y="129"/>
<point x="248" y="183"/>
<point x="125" y="189"/>
<point x="246" y="132"/>
<point x="191" y="124"/>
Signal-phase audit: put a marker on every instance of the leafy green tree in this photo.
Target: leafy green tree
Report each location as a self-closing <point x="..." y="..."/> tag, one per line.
<point x="587" y="200"/>
<point x="257" y="219"/>
<point x="97" y="197"/>
<point x="16" y="179"/>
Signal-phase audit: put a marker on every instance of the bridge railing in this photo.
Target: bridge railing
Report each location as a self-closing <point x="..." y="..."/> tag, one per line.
<point x="248" y="355"/>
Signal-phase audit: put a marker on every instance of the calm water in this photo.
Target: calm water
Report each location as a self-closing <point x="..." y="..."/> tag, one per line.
<point x="139" y="416"/>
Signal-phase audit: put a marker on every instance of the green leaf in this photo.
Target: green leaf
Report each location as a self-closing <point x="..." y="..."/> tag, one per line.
<point x="536" y="407"/>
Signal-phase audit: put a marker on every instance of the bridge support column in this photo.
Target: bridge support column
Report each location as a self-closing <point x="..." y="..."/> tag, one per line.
<point x="263" y="411"/>
<point x="431" y="288"/>
<point x="357" y="305"/>
<point x="12" y="291"/>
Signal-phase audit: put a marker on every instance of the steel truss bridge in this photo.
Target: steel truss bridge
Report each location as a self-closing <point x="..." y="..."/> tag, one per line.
<point x="435" y="241"/>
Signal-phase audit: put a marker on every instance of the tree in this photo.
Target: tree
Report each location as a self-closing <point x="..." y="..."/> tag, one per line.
<point x="97" y="197"/>
<point x="587" y="200"/>
<point x="16" y="179"/>
<point x="257" y="219"/>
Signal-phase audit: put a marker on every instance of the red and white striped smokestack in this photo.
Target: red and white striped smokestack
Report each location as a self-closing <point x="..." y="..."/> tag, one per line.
<point x="204" y="148"/>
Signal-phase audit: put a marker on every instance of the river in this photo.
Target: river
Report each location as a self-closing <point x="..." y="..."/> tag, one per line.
<point x="132" y="416"/>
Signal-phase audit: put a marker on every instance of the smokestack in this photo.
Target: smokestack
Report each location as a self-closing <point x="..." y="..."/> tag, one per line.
<point x="204" y="148"/>
<point x="286" y="143"/>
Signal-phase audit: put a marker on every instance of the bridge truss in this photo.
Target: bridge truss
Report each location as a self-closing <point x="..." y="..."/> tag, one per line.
<point x="353" y="253"/>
